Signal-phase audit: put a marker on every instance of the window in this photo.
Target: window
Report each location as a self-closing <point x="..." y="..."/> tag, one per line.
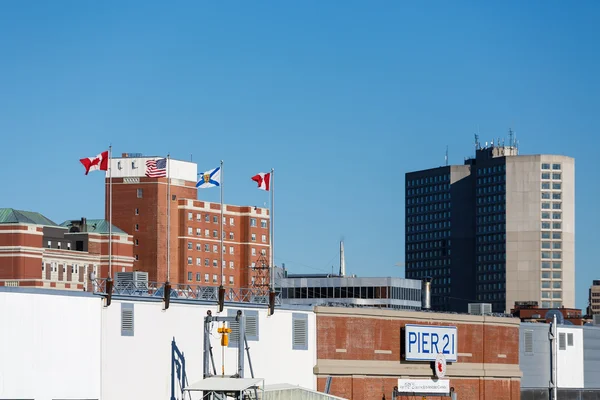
<point x="556" y="176"/>
<point x="190" y="246"/>
<point x="546" y="275"/>
<point x="198" y="217"/>
<point x="207" y="232"/>
<point x="556" y="284"/>
<point x="127" y="325"/>
<point x="545" y="195"/>
<point x="557" y="255"/>
<point x="230" y="279"/>
<point x="206" y="217"/>
<point x="528" y="342"/>
<point x="137" y="242"/>
<point x="556" y="186"/>
<point x="231" y="221"/>
<point x="137" y="257"/>
<point x="545" y="265"/>
<point x="545" y="215"/>
<point x="545" y="225"/>
<point x="556" y="195"/>
<point x="224" y="220"/>
<point x="230" y="235"/>
<point x="263" y="223"/>
<point x="189" y="260"/>
<point x="556" y="225"/>
<point x="215" y="219"/>
<point x="545" y="166"/>
<point x="190" y="216"/>
<point x="230" y="249"/>
<point x="140" y="193"/>
<point x="215" y="249"/>
<point x="215" y="264"/>
<point x="198" y="261"/>
<point x="137" y="228"/>
<point x="556" y="206"/>
<point x="231" y="265"/>
<point x="556" y="274"/>
<point x="251" y="326"/>
<point x="198" y="232"/>
<point x="545" y="245"/>
<point x="546" y="185"/>
<point x="206" y="277"/>
<point x="545" y="285"/>
<point x="206" y="262"/>
<point x="215" y="278"/>
<point x="137" y="211"/>
<point x="215" y="234"/>
<point x="190" y="230"/>
<point x="197" y="276"/>
<point x="254" y="237"/>
<point x="264" y="238"/>
<point x="299" y="331"/>
<point x="545" y="206"/>
<point x="253" y="251"/>
<point x="556" y="215"/>
<point x="556" y="245"/>
<point x="545" y="235"/>
<point x="198" y="247"/>
<point x="69" y="246"/>
<point x="545" y="175"/>
<point x="556" y="265"/>
<point x="556" y="167"/>
<point x="562" y="341"/>
<point x="252" y="221"/>
<point x="189" y="276"/>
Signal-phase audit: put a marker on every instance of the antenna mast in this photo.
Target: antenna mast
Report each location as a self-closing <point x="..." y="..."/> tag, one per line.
<point x="446" y="155"/>
<point x="342" y="259"/>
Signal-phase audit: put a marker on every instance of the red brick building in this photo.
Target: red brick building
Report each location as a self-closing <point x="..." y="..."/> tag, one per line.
<point x="140" y="207"/>
<point x="35" y="251"/>
<point x="361" y="349"/>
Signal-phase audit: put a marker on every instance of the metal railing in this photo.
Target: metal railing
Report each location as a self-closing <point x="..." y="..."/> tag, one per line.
<point x="155" y="290"/>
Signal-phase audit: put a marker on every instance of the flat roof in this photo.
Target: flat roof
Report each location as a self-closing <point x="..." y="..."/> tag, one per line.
<point x="224" y="384"/>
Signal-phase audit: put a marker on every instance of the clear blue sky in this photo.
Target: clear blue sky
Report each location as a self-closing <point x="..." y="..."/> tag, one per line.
<point x="341" y="98"/>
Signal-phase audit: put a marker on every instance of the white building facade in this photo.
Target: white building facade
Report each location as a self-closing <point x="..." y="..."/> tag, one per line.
<point x="59" y="345"/>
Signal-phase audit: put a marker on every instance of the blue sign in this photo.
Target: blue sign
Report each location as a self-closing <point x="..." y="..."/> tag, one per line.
<point x="425" y="342"/>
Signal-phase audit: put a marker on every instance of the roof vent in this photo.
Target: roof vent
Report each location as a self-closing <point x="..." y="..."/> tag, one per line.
<point x="480" y="308"/>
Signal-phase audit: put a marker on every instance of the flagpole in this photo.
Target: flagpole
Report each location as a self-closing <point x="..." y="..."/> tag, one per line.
<point x="222" y="214"/>
<point x="271" y="259"/>
<point x="168" y="218"/>
<point x="110" y="212"/>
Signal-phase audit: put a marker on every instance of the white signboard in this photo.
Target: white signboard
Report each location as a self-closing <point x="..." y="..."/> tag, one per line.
<point x="425" y="342"/>
<point x="424" y="386"/>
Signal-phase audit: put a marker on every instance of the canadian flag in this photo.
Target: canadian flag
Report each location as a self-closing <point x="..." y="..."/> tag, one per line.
<point x="98" y="163"/>
<point x="263" y="179"/>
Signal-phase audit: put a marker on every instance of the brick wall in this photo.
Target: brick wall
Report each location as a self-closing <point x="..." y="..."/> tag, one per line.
<point x="361" y="350"/>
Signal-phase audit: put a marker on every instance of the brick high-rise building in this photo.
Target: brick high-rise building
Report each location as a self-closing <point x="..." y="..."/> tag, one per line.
<point x="35" y="251"/>
<point x="140" y="207"/>
<point x="499" y="229"/>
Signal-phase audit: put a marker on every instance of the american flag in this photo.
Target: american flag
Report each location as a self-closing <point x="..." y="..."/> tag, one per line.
<point x="156" y="168"/>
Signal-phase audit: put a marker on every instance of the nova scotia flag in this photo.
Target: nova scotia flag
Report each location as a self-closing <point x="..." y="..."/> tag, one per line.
<point x="210" y="179"/>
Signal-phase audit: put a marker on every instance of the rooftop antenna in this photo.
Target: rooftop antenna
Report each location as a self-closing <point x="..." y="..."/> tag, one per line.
<point x="342" y="259"/>
<point x="477" y="140"/>
<point x="511" y="142"/>
<point x="446" y="155"/>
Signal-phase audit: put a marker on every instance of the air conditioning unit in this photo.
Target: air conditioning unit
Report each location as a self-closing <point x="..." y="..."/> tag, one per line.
<point x="137" y="280"/>
<point x="480" y="308"/>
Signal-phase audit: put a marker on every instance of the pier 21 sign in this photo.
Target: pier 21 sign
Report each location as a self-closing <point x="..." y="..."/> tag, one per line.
<point x="425" y="342"/>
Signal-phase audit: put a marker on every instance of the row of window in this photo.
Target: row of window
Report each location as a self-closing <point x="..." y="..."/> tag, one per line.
<point x="429" y="226"/>
<point x="555" y="275"/>
<point x="215" y="278"/>
<point x="492" y="218"/>
<point x="555" y="167"/>
<point x="428" y="254"/>
<point x="491" y="208"/>
<point x="491" y="179"/>
<point x="490" y="267"/>
<point x="429" y="180"/>
<point x="492" y="277"/>
<point x="215" y="263"/>
<point x="427" y="208"/>
<point x="551" y="245"/>
<point x="556" y="255"/>
<point x="491" y="170"/>
<point x="491" y="238"/>
<point x="555" y="225"/>
<point x="551" y="295"/>
<point x="491" y="228"/>
<point x="554" y="185"/>
<point x="429" y="245"/>
<point x="428" y="264"/>
<point x="551" y="195"/>
<point x="428" y="189"/>
<point x="554" y="304"/>
<point x="553" y="206"/>
<point x="491" y="189"/>
<point x="491" y="257"/>
<point x="554" y="265"/>
<point x="437" y="272"/>
<point x="486" y="287"/>
<point x="491" y="247"/>
<point x="491" y="296"/>
<point x="428" y="217"/>
<point x="555" y="215"/>
<point x="495" y="198"/>
<point x="430" y="198"/>
<point x="215" y="220"/>
<point x="427" y="236"/>
<point x="555" y="176"/>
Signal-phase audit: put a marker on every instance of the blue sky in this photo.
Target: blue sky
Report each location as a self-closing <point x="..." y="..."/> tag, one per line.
<point x="341" y="98"/>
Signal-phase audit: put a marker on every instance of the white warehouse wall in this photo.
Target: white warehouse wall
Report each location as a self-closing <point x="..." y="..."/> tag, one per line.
<point x="49" y="346"/>
<point x="140" y="365"/>
<point x="570" y="360"/>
